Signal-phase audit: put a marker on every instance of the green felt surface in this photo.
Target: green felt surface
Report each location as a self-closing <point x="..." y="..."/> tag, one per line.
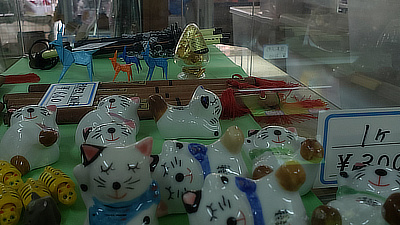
<point x="219" y="67"/>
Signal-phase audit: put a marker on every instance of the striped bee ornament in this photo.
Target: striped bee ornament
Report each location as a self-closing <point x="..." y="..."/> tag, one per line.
<point x="10" y="205"/>
<point x="60" y="185"/>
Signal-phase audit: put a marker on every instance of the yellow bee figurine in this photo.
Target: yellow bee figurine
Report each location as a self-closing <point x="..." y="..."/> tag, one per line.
<point x="10" y="205"/>
<point x="60" y="185"/>
<point x="10" y="175"/>
<point x="30" y="186"/>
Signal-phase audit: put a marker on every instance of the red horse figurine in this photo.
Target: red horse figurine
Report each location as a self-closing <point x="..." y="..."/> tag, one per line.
<point x="121" y="67"/>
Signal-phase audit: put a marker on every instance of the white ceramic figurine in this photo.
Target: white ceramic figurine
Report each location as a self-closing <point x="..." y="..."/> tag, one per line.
<point x="198" y="119"/>
<point x="116" y="185"/>
<point x="367" y="195"/>
<point x="32" y="139"/>
<point x="229" y="199"/>
<point x="183" y="166"/>
<point x="285" y="144"/>
<point x="114" y="108"/>
<point x="111" y="133"/>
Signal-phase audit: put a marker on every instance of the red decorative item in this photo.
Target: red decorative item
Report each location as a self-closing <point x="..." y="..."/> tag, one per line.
<point x="302" y="107"/>
<point x="23" y="78"/>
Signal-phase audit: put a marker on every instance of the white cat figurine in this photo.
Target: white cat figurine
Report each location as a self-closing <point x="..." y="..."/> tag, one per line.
<point x="114" y="108"/>
<point x="368" y="195"/>
<point x="229" y="199"/>
<point x="198" y="119"/>
<point x="116" y="185"/>
<point x="285" y="144"/>
<point x="32" y="139"/>
<point x="112" y="133"/>
<point x="183" y="166"/>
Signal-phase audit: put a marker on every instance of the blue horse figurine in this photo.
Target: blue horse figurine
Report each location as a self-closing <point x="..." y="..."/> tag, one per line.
<point x="67" y="57"/>
<point x="153" y="62"/>
<point x="130" y="59"/>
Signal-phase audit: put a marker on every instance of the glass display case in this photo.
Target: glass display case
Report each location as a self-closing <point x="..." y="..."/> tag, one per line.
<point x="341" y="54"/>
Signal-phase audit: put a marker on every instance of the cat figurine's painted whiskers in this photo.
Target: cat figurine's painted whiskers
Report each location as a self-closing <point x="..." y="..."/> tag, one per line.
<point x="32" y="139"/>
<point x="198" y="119"/>
<point x="114" y="108"/>
<point x="229" y="199"/>
<point x="183" y="166"/>
<point x="116" y="185"/>
<point x="284" y="144"/>
<point x="107" y="134"/>
<point x="370" y="195"/>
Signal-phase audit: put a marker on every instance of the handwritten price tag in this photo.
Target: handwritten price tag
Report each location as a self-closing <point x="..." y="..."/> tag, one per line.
<point x="370" y="136"/>
<point x="70" y="95"/>
<point x="275" y="51"/>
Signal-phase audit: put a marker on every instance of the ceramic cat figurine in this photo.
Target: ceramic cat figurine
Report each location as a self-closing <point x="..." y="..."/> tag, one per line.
<point x="183" y="166"/>
<point x="229" y="199"/>
<point x="32" y="139"/>
<point x="366" y="195"/>
<point x="114" y="108"/>
<point x="198" y="119"/>
<point x="112" y="133"/>
<point x="286" y="145"/>
<point x="116" y="185"/>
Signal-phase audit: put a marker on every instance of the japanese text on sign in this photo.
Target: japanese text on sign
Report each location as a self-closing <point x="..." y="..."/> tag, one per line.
<point x="371" y="137"/>
<point x="275" y="51"/>
<point x="70" y="95"/>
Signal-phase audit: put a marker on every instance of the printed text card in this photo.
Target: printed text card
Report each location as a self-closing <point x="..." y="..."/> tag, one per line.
<point x="370" y="136"/>
<point x="70" y="95"/>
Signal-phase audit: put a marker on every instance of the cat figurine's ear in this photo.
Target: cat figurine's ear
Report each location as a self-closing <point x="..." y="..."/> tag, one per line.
<point x="292" y="129"/>
<point x="154" y="162"/>
<point x="52" y="108"/>
<point x="135" y="99"/>
<point x="191" y="201"/>
<point x="233" y="139"/>
<point x="252" y="132"/>
<point x="90" y="153"/>
<point x="145" y="146"/>
<point x="86" y="133"/>
<point x="158" y="106"/>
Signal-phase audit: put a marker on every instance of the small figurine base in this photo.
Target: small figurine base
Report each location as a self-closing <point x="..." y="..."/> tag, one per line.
<point x="192" y="72"/>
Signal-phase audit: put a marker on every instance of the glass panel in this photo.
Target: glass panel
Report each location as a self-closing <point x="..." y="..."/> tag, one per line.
<point x="10" y="47"/>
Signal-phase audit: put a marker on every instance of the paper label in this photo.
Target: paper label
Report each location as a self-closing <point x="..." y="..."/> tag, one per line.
<point x="370" y="136"/>
<point x="70" y="95"/>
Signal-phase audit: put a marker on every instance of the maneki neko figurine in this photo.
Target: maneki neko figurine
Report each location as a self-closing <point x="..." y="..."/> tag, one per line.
<point x="229" y="199"/>
<point x="114" y="108"/>
<point x="116" y="184"/>
<point x="10" y="175"/>
<point x="107" y="134"/>
<point x="366" y="195"/>
<point x="10" y="205"/>
<point x="32" y="139"/>
<point x="183" y="166"/>
<point x="60" y="185"/>
<point x="198" y="119"/>
<point x="285" y="144"/>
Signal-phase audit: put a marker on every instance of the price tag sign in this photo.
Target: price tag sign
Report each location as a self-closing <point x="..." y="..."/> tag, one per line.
<point x="275" y="51"/>
<point x="70" y="95"/>
<point x="370" y="136"/>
